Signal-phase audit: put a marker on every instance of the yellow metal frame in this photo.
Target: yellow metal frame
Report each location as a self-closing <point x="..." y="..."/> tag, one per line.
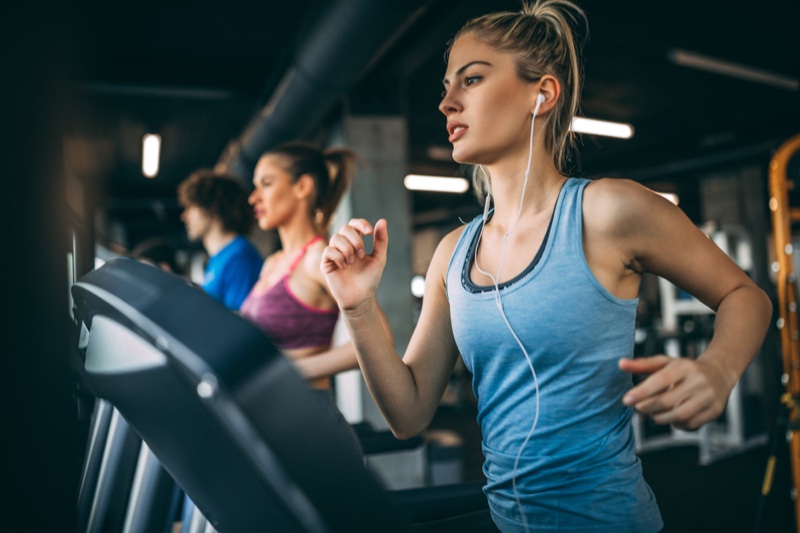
<point x="783" y="215"/>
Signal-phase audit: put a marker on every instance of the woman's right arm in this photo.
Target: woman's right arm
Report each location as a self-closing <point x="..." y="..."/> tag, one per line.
<point x="408" y="390"/>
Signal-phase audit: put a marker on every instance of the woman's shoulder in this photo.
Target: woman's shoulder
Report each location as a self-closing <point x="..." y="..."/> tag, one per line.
<point x="450" y="240"/>
<point x="611" y="189"/>
<point x="313" y="257"/>
<point x="627" y="214"/>
<point x="316" y="248"/>
<point x="444" y="251"/>
<point x="616" y="201"/>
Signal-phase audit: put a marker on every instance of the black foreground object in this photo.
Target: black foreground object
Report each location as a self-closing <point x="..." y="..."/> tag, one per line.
<point x="226" y="415"/>
<point x="229" y="418"/>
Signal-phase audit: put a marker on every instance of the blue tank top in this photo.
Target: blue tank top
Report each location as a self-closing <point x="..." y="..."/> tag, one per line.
<point x="579" y="470"/>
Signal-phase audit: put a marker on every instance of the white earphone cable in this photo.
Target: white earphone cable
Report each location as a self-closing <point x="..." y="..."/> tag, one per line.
<point x="499" y="304"/>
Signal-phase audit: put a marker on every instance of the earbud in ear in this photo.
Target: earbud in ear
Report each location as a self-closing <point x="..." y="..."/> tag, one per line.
<point x="539" y="101"/>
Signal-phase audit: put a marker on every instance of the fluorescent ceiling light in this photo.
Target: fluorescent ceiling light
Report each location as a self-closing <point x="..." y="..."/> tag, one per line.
<point x="151" y="149"/>
<point x="416" y="182"/>
<point x="685" y="58"/>
<point x="601" y="127"/>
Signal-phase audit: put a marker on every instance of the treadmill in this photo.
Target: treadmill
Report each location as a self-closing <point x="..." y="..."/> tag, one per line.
<point x="226" y="415"/>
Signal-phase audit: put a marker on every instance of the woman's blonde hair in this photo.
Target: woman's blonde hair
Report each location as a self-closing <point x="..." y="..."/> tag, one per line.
<point x="544" y="37"/>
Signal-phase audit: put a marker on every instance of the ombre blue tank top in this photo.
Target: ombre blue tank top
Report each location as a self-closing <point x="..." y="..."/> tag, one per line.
<point x="579" y="470"/>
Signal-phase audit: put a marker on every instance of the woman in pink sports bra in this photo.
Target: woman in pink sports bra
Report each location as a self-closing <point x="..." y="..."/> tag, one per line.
<point x="297" y="189"/>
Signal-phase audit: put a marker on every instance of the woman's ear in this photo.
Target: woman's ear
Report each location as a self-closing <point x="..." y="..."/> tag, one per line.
<point x="304" y="187"/>
<point x="550" y="89"/>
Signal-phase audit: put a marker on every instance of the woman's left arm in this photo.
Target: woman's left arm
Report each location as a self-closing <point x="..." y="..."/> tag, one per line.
<point x="328" y="363"/>
<point x="660" y="239"/>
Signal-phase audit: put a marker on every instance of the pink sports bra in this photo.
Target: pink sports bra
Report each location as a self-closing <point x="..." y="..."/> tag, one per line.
<point x="287" y="321"/>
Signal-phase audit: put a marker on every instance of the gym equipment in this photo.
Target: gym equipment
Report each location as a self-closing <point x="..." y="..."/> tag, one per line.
<point x="230" y="419"/>
<point x="783" y="215"/>
<point x="123" y="486"/>
<point x="735" y="431"/>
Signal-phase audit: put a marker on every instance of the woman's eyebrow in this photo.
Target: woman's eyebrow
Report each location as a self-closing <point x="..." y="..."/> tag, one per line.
<point x="465" y="67"/>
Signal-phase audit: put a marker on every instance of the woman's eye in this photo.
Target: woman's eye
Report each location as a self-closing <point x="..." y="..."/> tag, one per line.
<point x="470" y="80"/>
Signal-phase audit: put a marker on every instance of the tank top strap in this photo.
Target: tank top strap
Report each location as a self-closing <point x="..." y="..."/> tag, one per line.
<point x="570" y="218"/>
<point x="302" y="251"/>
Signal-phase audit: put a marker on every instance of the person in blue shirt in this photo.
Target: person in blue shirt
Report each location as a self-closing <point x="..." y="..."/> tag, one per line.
<point x="539" y="294"/>
<point x="216" y="212"/>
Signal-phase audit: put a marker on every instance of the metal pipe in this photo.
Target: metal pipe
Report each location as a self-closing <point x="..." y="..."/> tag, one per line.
<point x="341" y="43"/>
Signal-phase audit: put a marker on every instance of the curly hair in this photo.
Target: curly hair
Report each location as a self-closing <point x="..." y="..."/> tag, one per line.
<point x="220" y="195"/>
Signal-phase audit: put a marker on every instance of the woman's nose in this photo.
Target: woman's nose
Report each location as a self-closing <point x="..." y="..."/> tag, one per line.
<point x="448" y="104"/>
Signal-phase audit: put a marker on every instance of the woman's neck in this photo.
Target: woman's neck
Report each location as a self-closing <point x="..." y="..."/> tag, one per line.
<point x="508" y="182"/>
<point x="295" y="236"/>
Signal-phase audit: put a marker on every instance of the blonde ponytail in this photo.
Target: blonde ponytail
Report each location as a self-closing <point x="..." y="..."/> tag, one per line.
<point x="544" y="37"/>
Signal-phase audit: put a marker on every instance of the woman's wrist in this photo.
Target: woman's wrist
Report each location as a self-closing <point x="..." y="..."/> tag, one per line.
<point x="360" y="310"/>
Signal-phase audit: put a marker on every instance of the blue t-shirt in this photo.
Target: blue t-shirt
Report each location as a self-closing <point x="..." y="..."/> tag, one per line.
<point x="232" y="272"/>
<point x="578" y="472"/>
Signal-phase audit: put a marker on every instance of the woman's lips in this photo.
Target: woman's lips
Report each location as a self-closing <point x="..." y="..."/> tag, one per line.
<point x="456" y="132"/>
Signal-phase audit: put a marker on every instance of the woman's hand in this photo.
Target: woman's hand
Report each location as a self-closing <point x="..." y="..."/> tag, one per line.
<point x="683" y="392"/>
<point x="353" y="275"/>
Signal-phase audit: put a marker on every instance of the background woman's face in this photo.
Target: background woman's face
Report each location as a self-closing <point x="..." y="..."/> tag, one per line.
<point x="273" y="198"/>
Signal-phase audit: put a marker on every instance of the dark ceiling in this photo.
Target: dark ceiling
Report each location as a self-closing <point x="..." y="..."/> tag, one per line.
<point x="198" y="73"/>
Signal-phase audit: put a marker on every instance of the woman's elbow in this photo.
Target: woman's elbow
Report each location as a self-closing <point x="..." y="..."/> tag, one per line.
<point x="408" y="428"/>
<point x="759" y="299"/>
<point x="405" y="433"/>
<point x="766" y="303"/>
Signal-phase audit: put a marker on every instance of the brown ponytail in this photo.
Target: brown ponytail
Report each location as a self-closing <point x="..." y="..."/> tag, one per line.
<point x="340" y="162"/>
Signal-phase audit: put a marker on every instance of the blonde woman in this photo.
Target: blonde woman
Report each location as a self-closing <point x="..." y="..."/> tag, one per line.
<point x="539" y="294"/>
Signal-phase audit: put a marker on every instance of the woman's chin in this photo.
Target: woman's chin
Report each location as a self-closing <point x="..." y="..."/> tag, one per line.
<point x="460" y="155"/>
<point x="465" y="156"/>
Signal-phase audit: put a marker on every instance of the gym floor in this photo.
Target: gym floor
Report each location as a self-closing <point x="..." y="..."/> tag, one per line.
<point x="723" y="497"/>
